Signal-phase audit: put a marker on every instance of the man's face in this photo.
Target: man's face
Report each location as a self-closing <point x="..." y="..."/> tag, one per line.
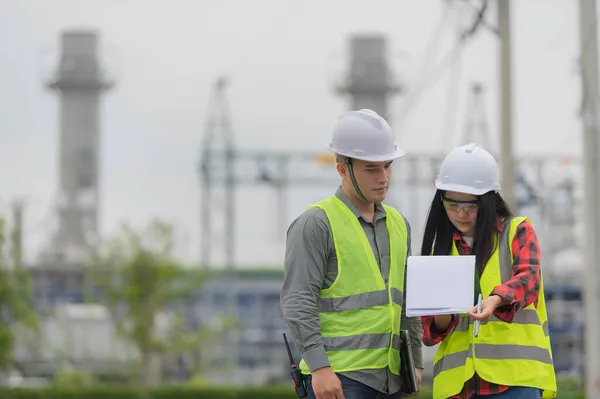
<point x="373" y="178"/>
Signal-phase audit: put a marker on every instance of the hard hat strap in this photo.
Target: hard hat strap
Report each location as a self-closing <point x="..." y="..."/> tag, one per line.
<point x="348" y="162"/>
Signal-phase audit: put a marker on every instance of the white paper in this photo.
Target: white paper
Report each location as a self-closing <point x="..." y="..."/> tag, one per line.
<point x="437" y="285"/>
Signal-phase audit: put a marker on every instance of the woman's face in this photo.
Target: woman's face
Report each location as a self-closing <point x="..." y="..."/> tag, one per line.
<point x="462" y="211"/>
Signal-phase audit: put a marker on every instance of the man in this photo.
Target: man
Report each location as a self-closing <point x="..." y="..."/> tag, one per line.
<point x="345" y="259"/>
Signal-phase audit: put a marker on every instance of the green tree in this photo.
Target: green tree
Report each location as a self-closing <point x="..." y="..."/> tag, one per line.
<point x="142" y="284"/>
<point x="17" y="316"/>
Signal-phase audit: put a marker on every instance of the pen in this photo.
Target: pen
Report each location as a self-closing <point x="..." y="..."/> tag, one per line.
<point x="477" y="322"/>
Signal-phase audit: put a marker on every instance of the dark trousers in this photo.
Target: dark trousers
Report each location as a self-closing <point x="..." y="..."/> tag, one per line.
<point x="354" y="390"/>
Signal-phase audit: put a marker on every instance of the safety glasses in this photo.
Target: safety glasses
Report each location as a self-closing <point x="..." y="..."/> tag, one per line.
<point x="457" y="206"/>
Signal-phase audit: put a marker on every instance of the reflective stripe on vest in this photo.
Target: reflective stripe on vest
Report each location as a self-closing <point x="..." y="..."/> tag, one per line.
<point x="525" y="316"/>
<point x="493" y="352"/>
<point x="356" y="302"/>
<point x="362" y="341"/>
<point x="517" y="353"/>
<point x="360" y="301"/>
<point x="360" y="312"/>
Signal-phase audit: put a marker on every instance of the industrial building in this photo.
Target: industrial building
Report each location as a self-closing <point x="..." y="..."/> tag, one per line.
<point x="80" y="334"/>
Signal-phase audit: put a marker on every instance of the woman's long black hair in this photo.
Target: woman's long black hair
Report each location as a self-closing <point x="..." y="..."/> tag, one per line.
<point x="439" y="230"/>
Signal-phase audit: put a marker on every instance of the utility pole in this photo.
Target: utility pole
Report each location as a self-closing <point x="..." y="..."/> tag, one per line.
<point x="591" y="151"/>
<point x="507" y="161"/>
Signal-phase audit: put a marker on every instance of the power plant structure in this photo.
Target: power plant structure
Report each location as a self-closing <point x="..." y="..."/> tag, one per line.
<point x="79" y="80"/>
<point x="369" y="81"/>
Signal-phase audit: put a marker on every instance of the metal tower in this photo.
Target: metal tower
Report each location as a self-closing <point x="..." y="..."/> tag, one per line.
<point x="369" y="81"/>
<point x="477" y="131"/>
<point x="80" y="80"/>
<point x="217" y="165"/>
<point x="477" y="128"/>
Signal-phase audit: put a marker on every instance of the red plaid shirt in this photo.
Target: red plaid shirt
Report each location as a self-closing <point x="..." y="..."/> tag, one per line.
<point x="519" y="292"/>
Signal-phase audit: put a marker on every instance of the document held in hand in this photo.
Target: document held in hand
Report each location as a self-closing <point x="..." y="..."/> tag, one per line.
<point x="437" y="285"/>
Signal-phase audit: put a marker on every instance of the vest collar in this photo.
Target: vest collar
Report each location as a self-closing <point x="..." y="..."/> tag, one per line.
<point x="458" y="237"/>
<point x="379" y="209"/>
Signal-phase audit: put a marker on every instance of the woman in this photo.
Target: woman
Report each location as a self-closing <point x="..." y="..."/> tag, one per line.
<point x="510" y="357"/>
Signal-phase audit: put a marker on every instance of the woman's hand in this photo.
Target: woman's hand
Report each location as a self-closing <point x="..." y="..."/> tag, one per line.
<point x="488" y="305"/>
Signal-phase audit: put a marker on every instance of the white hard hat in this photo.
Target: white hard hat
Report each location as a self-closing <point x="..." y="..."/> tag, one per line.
<point x="468" y="169"/>
<point x="364" y="135"/>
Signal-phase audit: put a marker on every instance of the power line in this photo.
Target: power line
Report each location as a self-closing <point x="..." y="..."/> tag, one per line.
<point x="435" y="36"/>
<point x="449" y="59"/>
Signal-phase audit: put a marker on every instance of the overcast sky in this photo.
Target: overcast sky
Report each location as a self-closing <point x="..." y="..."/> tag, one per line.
<point x="283" y="57"/>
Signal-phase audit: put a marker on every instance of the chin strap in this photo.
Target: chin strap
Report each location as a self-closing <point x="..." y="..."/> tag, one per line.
<point x="348" y="162"/>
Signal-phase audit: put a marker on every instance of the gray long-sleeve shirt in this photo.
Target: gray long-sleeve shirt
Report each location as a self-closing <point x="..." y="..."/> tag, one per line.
<point x="311" y="265"/>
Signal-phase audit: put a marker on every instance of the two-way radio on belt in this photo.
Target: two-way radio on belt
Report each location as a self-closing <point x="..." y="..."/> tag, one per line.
<point x="297" y="378"/>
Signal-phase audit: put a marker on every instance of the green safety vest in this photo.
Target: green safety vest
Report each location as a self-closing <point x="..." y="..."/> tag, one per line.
<point x="359" y="314"/>
<point x="510" y="354"/>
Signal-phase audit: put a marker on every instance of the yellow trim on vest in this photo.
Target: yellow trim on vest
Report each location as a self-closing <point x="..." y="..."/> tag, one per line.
<point x="359" y="315"/>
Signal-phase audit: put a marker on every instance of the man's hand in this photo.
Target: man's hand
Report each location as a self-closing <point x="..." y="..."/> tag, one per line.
<point x="488" y="305"/>
<point x="326" y="384"/>
<point x="419" y="375"/>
